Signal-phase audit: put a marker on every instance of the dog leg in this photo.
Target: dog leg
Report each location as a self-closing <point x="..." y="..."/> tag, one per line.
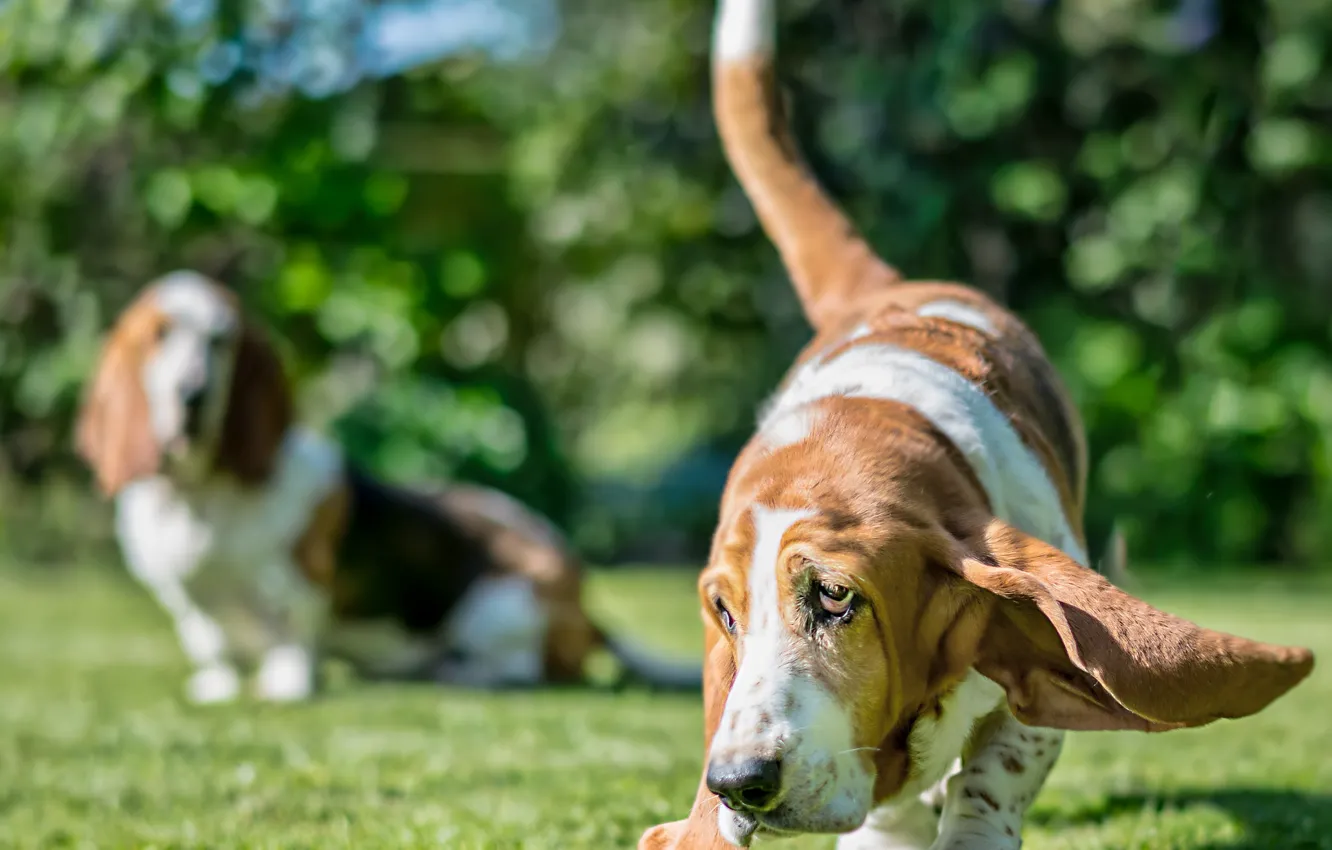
<point x="289" y="668"/>
<point x="985" y="803"/>
<point x="286" y="673"/>
<point x="205" y="643"/>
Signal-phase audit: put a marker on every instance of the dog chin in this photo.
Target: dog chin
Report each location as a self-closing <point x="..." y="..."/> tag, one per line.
<point x="742" y="828"/>
<point x="735" y="827"/>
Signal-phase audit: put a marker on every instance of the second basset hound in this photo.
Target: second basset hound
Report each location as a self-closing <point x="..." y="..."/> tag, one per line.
<point x="900" y="623"/>
<point x="270" y="551"/>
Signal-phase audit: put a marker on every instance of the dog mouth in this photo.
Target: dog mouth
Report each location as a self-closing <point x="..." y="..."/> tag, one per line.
<point x="825" y="812"/>
<point x="746" y="826"/>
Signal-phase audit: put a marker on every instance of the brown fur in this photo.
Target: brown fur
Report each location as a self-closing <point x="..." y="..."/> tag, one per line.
<point x="112" y="433"/>
<point x="316" y="551"/>
<point x="828" y="261"/>
<point x="254" y="427"/>
<point x="1075" y="652"/>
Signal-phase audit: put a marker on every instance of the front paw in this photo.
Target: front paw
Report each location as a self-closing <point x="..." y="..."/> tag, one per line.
<point x="287" y="674"/>
<point x="214" y="684"/>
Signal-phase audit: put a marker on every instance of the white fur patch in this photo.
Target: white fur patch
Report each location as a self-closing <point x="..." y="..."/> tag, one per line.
<point x="935" y="744"/>
<point x="287" y="674"/>
<point x="764" y="646"/>
<point x="1016" y="481"/>
<point x="963" y="314"/>
<point x="188" y="359"/>
<point x="744" y="28"/>
<point x="781" y="425"/>
<point x="189" y="297"/>
<point x="497" y="634"/>
<point x="909" y="821"/>
<point x="789" y="427"/>
<point x="766" y="634"/>
<point x="214" y="684"/>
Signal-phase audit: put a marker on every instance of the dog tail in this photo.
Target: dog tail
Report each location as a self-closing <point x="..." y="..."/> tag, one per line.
<point x="828" y="259"/>
<point x="648" y="668"/>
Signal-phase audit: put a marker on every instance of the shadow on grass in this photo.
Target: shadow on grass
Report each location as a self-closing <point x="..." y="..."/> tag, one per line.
<point x="1292" y="820"/>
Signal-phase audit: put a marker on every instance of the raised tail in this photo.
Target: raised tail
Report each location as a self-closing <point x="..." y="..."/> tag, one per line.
<point x="828" y="259"/>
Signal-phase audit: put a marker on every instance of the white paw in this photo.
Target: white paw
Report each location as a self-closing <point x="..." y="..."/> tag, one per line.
<point x="286" y="675"/>
<point x="215" y="684"/>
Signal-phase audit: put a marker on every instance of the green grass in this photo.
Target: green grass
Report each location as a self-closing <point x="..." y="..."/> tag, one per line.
<point x="97" y="750"/>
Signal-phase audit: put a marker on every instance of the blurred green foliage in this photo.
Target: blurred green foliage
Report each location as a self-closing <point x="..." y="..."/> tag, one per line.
<point x="541" y="275"/>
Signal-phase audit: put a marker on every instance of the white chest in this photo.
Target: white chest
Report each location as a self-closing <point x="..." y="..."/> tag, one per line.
<point x="222" y="540"/>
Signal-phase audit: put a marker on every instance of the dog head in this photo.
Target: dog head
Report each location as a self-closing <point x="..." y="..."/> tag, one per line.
<point x="184" y="386"/>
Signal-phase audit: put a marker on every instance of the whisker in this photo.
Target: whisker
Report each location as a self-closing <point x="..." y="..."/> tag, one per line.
<point x="859" y="750"/>
<point x="716" y="807"/>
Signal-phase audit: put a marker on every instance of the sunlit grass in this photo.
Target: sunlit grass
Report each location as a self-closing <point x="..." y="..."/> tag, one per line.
<point x="97" y="750"/>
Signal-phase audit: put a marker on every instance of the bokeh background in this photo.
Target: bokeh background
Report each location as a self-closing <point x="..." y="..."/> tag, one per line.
<point x="496" y="240"/>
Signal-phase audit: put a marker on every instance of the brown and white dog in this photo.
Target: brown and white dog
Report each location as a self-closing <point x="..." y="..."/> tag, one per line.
<point x="269" y="551"/>
<point x="899" y="617"/>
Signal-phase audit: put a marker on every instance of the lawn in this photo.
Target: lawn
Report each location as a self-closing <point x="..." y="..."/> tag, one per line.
<point x="97" y="750"/>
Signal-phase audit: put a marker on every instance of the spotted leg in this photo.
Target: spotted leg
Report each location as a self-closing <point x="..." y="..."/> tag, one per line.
<point x="1005" y="765"/>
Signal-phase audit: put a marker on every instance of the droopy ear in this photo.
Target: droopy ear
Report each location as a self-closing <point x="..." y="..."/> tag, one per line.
<point x="699" y="830"/>
<point x="259" y="410"/>
<point x="1075" y="652"/>
<point x="113" y="433"/>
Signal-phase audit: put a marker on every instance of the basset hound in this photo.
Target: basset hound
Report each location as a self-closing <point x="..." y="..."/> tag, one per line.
<point x="900" y="620"/>
<point x="270" y="551"/>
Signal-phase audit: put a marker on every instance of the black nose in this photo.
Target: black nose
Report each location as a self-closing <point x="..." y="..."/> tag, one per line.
<point x="747" y="786"/>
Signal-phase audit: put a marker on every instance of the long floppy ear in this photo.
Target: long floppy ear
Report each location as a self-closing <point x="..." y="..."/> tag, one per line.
<point x="1075" y="652"/>
<point x="113" y="433"/>
<point x="699" y="830"/>
<point x="259" y="410"/>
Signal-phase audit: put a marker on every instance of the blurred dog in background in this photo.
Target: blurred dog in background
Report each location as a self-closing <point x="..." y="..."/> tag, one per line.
<point x="270" y="551"/>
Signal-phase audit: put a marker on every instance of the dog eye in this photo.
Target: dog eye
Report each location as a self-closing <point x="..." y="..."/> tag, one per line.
<point x="835" y="599"/>
<point x="726" y="618"/>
